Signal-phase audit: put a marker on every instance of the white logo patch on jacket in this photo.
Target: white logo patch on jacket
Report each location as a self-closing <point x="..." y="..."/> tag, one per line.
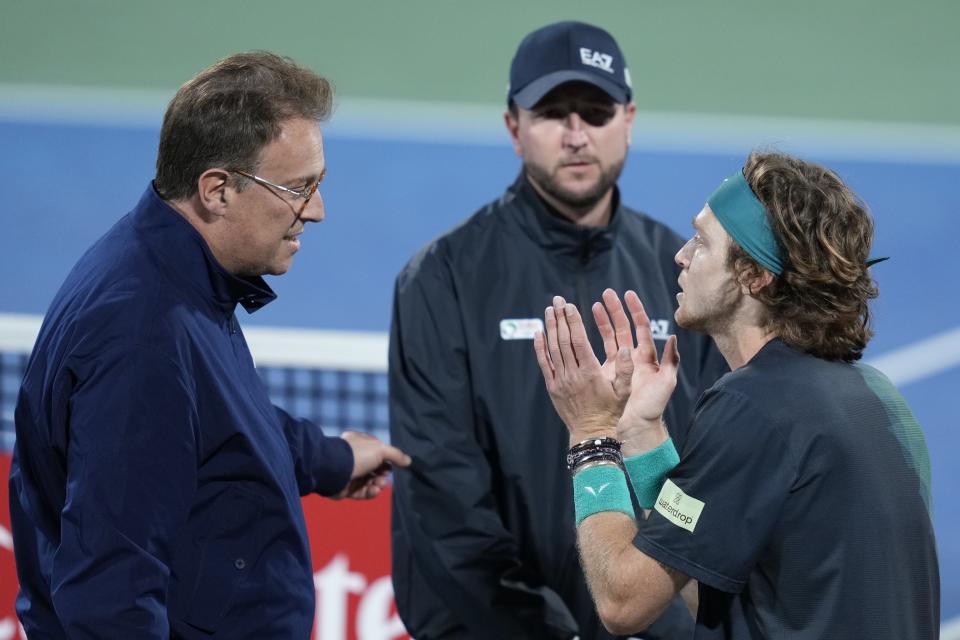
<point x="520" y="328"/>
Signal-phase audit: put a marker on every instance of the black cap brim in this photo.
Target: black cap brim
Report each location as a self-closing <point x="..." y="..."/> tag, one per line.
<point x="531" y="94"/>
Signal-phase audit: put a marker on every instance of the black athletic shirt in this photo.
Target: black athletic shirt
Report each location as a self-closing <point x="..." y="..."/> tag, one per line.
<point x="802" y="505"/>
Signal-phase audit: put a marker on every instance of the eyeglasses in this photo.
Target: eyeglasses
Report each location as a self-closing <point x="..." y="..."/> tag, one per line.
<point x="305" y="194"/>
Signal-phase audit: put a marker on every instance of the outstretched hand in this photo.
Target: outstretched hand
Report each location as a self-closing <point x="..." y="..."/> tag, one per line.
<point x="589" y="398"/>
<point x="372" y="461"/>
<point x="653" y="380"/>
<point x="627" y="395"/>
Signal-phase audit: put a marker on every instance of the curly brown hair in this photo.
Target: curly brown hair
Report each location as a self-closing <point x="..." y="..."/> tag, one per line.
<point x="226" y="114"/>
<point x="820" y="303"/>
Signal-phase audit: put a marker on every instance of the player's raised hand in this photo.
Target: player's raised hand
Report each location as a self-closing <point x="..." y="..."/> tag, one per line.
<point x="653" y="379"/>
<point x="588" y="399"/>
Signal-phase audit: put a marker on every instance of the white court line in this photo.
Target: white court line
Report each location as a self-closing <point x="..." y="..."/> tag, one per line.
<point x="475" y="123"/>
<point x="921" y="359"/>
<point x="950" y="630"/>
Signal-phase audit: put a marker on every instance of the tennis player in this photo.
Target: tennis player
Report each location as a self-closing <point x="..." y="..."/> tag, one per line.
<point x="801" y="499"/>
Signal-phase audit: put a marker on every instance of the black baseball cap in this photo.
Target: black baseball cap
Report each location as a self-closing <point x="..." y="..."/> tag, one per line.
<point x="565" y="52"/>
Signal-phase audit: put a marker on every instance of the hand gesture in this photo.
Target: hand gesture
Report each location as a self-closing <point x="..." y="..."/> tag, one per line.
<point x="372" y="461"/>
<point x="588" y="398"/>
<point x="652" y="382"/>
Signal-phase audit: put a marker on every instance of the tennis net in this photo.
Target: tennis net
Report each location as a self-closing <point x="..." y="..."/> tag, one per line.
<point x="337" y="379"/>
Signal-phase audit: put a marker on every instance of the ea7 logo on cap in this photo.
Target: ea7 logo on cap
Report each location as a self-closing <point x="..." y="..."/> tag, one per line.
<point x="596" y="59"/>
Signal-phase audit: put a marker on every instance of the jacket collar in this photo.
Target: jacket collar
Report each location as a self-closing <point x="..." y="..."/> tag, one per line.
<point x="548" y="228"/>
<point x="187" y="258"/>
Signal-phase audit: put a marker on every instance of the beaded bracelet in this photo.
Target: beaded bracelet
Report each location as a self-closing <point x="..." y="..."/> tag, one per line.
<point x="594" y="449"/>
<point x="610" y="455"/>
<point x="591" y="443"/>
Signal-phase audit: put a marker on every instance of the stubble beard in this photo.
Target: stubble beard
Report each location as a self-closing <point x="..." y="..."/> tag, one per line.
<point x="577" y="200"/>
<point x="716" y="316"/>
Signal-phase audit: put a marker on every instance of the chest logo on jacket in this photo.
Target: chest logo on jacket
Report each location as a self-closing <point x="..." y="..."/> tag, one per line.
<point x="660" y="329"/>
<point x="520" y="328"/>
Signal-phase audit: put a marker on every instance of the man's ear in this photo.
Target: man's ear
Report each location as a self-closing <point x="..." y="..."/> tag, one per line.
<point x="213" y="191"/>
<point x="513" y="126"/>
<point x="629" y="112"/>
<point x="752" y="283"/>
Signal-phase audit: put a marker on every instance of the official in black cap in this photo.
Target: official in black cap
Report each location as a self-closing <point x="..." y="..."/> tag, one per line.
<point x="483" y="525"/>
<point x="567" y="52"/>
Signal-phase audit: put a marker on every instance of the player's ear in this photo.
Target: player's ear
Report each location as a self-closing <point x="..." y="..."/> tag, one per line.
<point x="753" y="282"/>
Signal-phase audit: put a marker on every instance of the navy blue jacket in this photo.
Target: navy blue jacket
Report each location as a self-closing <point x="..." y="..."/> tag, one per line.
<point x="155" y="490"/>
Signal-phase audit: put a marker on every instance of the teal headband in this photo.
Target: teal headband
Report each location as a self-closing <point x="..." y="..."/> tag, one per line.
<point x="745" y="218"/>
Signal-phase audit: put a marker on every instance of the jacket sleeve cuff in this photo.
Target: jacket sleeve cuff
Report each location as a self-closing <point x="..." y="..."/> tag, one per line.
<point x="335" y="466"/>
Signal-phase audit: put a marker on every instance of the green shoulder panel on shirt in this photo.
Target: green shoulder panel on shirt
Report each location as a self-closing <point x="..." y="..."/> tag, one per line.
<point x="903" y="424"/>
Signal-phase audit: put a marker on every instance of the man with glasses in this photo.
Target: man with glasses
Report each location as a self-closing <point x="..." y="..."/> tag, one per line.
<point x="483" y="530"/>
<point x="155" y="490"/>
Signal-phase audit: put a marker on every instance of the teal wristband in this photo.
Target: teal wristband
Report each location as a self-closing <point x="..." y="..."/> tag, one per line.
<point x="600" y="488"/>
<point x="648" y="470"/>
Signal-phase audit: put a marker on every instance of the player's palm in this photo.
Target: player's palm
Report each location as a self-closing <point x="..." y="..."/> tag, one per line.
<point x="588" y="401"/>
<point x="653" y="381"/>
<point x="608" y="370"/>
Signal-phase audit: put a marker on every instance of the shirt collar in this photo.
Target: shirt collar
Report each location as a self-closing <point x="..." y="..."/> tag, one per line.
<point x="554" y="232"/>
<point x="186" y="256"/>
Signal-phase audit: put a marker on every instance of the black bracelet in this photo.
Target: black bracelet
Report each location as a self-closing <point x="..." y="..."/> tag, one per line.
<point x="580" y="463"/>
<point x="596" y="442"/>
<point x="611" y="456"/>
<point x="594" y="449"/>
<point x="589" y="452"/>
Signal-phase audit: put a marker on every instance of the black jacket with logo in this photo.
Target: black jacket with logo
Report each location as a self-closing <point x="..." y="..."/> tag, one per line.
<point x="483" y="525"/>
